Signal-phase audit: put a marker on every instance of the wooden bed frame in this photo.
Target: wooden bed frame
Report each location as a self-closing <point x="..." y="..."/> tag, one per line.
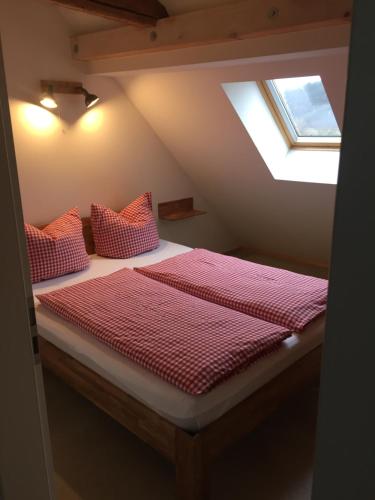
<point x="191" y="453"/>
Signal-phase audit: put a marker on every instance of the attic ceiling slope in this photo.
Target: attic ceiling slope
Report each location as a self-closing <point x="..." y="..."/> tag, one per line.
<point x="191" y="114"/>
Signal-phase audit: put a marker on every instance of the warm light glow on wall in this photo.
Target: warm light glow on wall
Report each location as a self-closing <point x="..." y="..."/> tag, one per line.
<point x="92" y="120"/>
<point x="37" y="119"/>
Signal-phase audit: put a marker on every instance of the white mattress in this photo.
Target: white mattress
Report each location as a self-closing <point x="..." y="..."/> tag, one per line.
<point x="188" y="412"/>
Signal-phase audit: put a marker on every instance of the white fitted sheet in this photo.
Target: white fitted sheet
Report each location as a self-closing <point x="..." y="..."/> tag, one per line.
<point x="188" y="412"/>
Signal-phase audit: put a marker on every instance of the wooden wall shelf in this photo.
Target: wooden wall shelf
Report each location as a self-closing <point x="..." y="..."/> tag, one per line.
<point x="178" y="209"/>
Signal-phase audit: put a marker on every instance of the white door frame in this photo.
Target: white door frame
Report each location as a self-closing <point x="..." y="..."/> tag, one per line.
<point x="25" y="459"/>
<point x="345" y="459"/>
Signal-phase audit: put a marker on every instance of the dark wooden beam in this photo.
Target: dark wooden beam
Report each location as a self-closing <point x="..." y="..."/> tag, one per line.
<point x="135" y="12"/>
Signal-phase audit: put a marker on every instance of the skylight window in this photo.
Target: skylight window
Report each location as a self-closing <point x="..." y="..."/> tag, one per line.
<point x="302" y="109"/>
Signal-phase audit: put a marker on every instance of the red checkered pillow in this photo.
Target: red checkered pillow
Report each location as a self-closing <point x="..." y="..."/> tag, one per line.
<point x="125" y="234"/>
<point x="57" y="249"/>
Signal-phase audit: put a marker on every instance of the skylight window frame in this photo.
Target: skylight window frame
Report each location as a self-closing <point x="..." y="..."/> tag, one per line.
<point x="286" y="126"/>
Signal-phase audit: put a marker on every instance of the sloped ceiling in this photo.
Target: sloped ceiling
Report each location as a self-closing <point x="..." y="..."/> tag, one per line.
<point x="192" y="115"/>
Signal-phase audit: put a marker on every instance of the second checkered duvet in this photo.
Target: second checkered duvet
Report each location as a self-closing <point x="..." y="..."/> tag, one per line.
<point x="275" y="295"/>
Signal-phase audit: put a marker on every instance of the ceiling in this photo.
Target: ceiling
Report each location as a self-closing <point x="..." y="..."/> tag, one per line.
<point x="79" y="22"/>
<point x="196" y="122"/>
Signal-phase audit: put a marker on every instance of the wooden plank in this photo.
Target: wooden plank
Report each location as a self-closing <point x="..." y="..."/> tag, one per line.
<point x="178" y="209"/>
<point x="137" y="418"/>
<point x="60" y="87"/>
<point x="192" y="480"/>
<point x="332" y="38"/>
<point x="182" y="215"/>
<point x="191" y="453"/>
<point x="136" y="12"/>
<point x="88" y="235"/>
<point x="237" y="21"/>
<point x="245" y="417"/>
<point x="168" y="207"/>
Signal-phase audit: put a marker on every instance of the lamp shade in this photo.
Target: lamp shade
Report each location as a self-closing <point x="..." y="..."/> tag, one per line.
<point x="90" y="99"/>
<point x="47" y="100"/>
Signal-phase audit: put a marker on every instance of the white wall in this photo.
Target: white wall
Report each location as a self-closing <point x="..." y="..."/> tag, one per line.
<point x="107" y="155"/>
<point x="197" y="123"/>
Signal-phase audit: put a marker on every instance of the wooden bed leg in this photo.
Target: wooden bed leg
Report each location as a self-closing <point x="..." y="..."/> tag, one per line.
<point x="192" y="481"/>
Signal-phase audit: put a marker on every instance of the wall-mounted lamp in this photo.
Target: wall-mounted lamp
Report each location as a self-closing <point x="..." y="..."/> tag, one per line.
<point x="51" y="87"/>
<point x="47" y="100"/>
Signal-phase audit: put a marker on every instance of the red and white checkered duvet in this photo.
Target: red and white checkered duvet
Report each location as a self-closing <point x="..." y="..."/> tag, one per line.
<point x="188" y="342"/>
<point x="274" y="295"/>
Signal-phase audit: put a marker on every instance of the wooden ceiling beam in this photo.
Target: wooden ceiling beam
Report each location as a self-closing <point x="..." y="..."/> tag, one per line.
<point x="134" y="12"/>
<point x="235" y="21"/>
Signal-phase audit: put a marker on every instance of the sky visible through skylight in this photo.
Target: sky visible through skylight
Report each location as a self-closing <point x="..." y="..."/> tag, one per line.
<point x="307" y="106"/>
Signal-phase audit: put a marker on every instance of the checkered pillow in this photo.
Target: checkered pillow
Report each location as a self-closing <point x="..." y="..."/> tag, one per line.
<point x="57" y="249"/>
<point x="125" y="234"/>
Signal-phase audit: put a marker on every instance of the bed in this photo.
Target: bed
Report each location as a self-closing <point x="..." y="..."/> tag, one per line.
<point x="188" y="430"/>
